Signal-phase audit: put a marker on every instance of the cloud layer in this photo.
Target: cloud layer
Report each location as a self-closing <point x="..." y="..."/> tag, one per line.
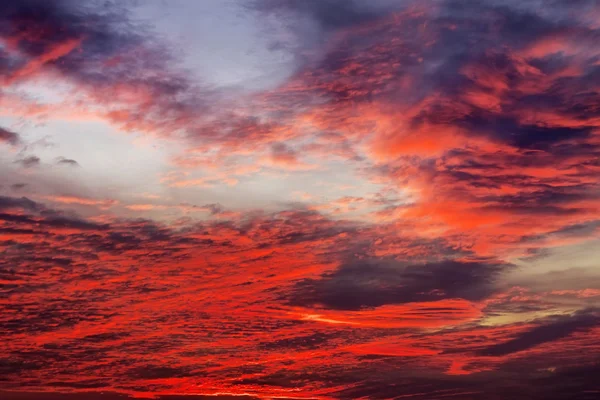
<point x="411" y="214"/>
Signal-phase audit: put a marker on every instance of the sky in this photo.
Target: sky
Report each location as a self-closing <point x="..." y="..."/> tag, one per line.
<point x="305" y="199"/>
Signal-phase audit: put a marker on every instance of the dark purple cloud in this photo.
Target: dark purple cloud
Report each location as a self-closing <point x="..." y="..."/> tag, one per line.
<point x="550" y="330"/>
<point x="9" y="137"/>
<point x="373" y="283"/>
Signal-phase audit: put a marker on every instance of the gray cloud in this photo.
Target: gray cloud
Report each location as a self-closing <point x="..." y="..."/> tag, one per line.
<point x="28" y="161"/>
<point x="9" y="137"/>
<point x="67" y="161"/>
<point x="373" y="283"/>
<point x="552" y="329"/>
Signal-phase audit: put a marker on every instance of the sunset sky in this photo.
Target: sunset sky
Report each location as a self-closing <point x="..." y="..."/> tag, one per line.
<point x="306" y="199"/>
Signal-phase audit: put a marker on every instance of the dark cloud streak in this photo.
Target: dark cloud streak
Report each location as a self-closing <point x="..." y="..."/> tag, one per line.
<point x="9" y="137"/>
<point x="373" y="283"/>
